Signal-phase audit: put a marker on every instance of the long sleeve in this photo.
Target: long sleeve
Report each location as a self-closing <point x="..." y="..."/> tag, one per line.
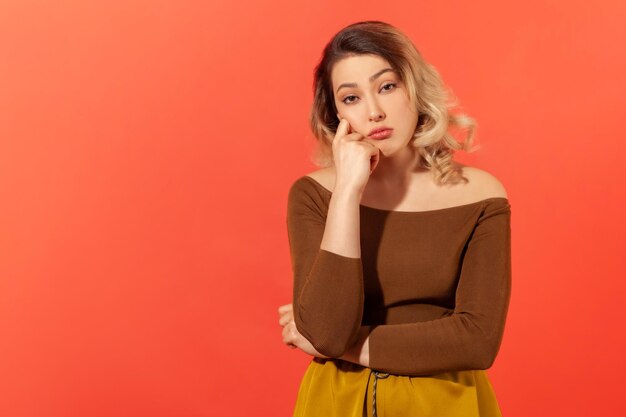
<point x="328" y="290"/>
<point x="470" y="337"/>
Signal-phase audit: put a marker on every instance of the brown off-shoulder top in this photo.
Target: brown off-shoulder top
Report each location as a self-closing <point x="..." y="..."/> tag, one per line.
<point x="433" y="285"/>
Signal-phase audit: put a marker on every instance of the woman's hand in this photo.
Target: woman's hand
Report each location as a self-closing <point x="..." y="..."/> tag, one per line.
<point x="291" y="336"/>
<point x="354" y="159"/>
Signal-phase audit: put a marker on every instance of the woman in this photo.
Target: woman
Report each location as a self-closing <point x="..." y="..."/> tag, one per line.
<point x="401" y="256"/>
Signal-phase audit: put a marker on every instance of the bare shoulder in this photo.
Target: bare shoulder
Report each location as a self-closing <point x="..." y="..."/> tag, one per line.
<point x="325" y="177"/>
<point x="484" y="183"/>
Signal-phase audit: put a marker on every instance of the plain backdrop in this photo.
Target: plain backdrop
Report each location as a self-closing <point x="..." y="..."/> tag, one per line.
<point x="146" y="152"/>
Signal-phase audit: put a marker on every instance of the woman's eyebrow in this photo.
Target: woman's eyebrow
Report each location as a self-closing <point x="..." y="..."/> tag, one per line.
<point x="372" y="78"/>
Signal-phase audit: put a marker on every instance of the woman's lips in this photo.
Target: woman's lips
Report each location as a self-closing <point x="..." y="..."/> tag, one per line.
<point x="381" y="134"/>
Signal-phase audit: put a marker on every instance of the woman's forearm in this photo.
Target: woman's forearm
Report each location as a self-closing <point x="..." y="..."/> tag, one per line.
<point x="359" y="352"/>
<point x="342" y="230"/>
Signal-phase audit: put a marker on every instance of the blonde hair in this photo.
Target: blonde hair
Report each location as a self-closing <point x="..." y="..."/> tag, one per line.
<point x="433" y="139"/>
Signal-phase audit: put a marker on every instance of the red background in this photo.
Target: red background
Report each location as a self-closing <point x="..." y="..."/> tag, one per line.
<point x="146" y="151"/>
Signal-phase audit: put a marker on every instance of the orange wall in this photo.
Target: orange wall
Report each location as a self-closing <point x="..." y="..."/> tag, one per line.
<point x="146" y="150"/>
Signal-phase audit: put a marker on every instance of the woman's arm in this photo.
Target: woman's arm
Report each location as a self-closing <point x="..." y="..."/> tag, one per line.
<point x="328" y="291"/>
<point x="359" y="352"/>
<point x="468" y="339"/>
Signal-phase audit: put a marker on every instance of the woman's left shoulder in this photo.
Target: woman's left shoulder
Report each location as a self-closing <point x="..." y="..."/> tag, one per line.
<point x="483" y="183"/>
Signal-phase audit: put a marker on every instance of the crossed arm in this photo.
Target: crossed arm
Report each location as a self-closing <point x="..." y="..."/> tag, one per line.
<point x="357" y="353"/>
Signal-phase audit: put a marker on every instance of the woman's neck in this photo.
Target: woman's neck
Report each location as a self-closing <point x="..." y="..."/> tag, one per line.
<point x="398" y="170"/>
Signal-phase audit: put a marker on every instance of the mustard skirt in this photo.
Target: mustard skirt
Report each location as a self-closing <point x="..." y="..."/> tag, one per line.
<point x="336" y="388"/>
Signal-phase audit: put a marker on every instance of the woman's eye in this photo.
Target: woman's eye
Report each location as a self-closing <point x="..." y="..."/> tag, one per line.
<point x="352" y="99"/>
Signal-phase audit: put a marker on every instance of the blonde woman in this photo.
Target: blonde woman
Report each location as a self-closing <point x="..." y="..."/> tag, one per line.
<point x="401" y="256"/>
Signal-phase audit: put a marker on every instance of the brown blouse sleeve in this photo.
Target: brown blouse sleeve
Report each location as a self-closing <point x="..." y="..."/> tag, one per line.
<point x="470" y="337"/>
<point x="328" y="289"/>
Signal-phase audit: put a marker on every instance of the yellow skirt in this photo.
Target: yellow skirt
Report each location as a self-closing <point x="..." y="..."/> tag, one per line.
<point x="336" y="388"/>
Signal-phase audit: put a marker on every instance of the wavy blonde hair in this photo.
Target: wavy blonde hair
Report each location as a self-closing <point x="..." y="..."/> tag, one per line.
<point x="432" y="138"/>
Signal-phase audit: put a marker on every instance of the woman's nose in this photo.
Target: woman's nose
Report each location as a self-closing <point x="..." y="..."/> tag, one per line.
<point x="376" y="112"/>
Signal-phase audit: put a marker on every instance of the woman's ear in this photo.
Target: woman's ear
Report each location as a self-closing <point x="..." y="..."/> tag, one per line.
<point x="338" y="116"/>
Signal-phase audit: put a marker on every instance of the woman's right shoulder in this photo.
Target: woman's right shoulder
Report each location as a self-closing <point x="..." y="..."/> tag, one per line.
<point x="314" y="187"/>
<point x="324" y="177"/>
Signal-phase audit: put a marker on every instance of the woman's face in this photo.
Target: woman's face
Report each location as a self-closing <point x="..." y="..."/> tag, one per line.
<point x="370" y="95"/>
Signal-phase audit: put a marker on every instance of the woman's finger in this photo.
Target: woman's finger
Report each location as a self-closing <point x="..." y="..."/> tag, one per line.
<point x="374" y="159"/>
<point x="284" y="308"/>
<point x="288" y="334"/>
<point x="342" y="129"/>
<point x="285" y="319"/>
